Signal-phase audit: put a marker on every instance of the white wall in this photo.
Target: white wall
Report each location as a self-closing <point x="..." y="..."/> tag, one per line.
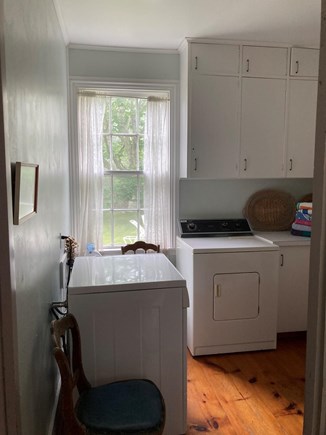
<point x="226" y="198"/>
<point x="36" y="132"/>
<point x="123" y="65"/>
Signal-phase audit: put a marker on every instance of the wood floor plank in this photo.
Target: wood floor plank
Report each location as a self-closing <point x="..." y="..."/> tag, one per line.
<point x="206" y="414"/>
<point x="250" y="393"/>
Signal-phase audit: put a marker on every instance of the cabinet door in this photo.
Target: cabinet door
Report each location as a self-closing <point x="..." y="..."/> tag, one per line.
<point x="262" y="128"/>
<point x="214" y="126"/>
<point x="215" y="59"/>
<point x="293" y="289"/>
<point x="304" y="62"/>
<point x="301" y="128"/>
<point x="264" y="61"/>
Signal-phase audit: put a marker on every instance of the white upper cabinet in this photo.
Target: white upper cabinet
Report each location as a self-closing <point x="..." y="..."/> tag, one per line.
<point x="214" y="126"/>
<point x="245" y="112"/>
<point x="262" y="128"/>
<point x="301" y="128"/>
<point x="304" y="62"/>
<point x="215" y="59"/>
<point x="264" y="61"/>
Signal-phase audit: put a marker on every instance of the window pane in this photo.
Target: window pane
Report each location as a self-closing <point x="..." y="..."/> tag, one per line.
<point x="141" y="152"/>
<point x="106" y="120"/>
<point x="123" y="115"/>
<point x="124" y="153"/>
<point x="142" y="107"/>
<point x="141" y="191"/>
<point x="125" y="230"/>
<point x="107" y="228"/>
<point x="107" y="194"/>
<point x="106" y="152"/>
<point x="125" y="191"/>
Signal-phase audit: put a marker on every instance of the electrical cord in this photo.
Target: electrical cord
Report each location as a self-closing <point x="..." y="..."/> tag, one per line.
<point x="59" y="309"/>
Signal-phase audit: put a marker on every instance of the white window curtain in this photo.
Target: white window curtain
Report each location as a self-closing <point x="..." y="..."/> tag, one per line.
<point x="88" y="215"/>
<point x="157" y="183"/>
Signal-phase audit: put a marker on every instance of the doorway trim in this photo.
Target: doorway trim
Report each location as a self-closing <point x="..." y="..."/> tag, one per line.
<point x="9" y="399"/>
<point x="315" y="387"/>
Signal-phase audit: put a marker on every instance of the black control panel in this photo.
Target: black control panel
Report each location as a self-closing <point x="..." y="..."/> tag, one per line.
<point x="214" y="227"/>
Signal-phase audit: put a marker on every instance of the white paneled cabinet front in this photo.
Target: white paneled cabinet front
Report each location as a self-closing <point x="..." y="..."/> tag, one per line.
<point x="214" y="121"/>
<point x="264" y="61"/>
<point x="262" y="127"/>
<point x="213" y="135"/>
<point x="293" y="288"/>
<point x="301" y="128"/>
<point x="215" y="59"/>
<point x="304" y="62"/>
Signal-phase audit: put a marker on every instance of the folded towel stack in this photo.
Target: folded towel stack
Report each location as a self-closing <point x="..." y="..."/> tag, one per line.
<point x="303" y="217"/>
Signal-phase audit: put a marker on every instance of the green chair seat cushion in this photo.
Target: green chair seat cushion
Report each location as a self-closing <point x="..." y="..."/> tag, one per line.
<point x="121" y="407"/>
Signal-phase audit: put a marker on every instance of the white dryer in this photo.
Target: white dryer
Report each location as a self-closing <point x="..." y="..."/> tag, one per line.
<point x="232" y="280"/>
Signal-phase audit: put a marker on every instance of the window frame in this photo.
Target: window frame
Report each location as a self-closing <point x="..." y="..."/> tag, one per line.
<point x="137" y="89"/>
<point x="110" y="174"/>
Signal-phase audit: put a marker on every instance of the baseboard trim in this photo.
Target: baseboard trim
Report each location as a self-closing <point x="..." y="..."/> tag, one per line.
<point x="54" y="409"/>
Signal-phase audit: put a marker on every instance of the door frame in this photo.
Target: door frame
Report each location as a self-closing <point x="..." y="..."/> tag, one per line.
<point x="315" y="387"/>
<point x="9" y="396"/>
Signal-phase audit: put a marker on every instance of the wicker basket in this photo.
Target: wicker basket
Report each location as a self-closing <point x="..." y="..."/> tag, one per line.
<point x="270" y="210"/>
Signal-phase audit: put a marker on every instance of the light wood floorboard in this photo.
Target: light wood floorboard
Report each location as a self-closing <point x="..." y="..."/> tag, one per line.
<point x="256" y="393"/>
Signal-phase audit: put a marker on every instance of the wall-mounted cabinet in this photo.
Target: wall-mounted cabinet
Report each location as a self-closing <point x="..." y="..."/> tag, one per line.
<point x="210" y="102"/>
<point x="301" y="128"/>
<point x="242" y="114"/>
<point x="215" y="59"/>
<point x="304" y="62"/>
<point x="214" y="138"/>
<point x="264" y="61"/>
<point x="262" y="127"/>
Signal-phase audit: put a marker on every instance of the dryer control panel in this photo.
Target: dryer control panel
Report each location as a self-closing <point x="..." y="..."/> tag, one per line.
<point x="214" y="227"/>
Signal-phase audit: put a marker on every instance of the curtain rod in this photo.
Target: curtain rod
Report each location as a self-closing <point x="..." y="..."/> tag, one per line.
<point x="153" y="96"/>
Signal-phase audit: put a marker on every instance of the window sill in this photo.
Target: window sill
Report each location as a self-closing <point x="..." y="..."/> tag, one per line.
<point x="110" y="251"/>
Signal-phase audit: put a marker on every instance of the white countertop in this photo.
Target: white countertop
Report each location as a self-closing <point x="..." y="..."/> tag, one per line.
<point x="284" y="238"/>
<point x="123" y="273"/>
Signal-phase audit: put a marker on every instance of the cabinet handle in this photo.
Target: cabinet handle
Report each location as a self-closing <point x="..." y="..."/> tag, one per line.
<point x="196" y="62"/>
<point x="282" y="260"/>
<point x="247" y="65"/>
<point x="245" y="164"/>
<point x="195" y="168"/>
<point x="291" y="164"/>
<point x="297" y="64"/>
<point x="217" y="290"/>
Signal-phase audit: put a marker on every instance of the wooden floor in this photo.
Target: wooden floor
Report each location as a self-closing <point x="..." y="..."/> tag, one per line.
<point x="256" y="393"/>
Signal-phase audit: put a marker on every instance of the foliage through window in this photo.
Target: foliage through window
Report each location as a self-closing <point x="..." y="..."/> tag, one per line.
<point x="123" y="160"/>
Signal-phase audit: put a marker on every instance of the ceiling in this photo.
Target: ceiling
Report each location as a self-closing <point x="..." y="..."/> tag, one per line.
<point x="163" y="24"/>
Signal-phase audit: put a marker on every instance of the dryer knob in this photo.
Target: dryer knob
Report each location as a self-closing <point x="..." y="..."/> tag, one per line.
<point x="192" y="226"/>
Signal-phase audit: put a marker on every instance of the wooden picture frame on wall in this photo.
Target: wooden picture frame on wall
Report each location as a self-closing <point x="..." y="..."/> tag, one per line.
<point x="25" y="191"/>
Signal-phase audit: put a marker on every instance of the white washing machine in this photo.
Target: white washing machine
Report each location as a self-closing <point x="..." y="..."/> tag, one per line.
<point x="232" y="280"/>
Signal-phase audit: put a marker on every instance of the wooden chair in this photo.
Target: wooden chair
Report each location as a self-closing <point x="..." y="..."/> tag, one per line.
<point x="141" y="246"/>
<point x="133" y="406"/>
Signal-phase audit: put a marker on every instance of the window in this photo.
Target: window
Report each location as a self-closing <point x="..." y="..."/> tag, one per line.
<point x="123" y="160"/>
<point x="122" y="167"/>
